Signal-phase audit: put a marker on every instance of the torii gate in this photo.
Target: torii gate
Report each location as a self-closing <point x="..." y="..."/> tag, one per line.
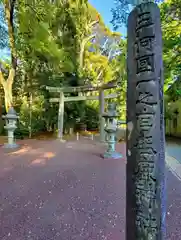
<point x="87" y="88"/>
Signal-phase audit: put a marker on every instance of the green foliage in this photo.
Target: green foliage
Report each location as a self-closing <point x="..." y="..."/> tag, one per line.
<point x="171" y="27"/>
<point x="60" y="43"/>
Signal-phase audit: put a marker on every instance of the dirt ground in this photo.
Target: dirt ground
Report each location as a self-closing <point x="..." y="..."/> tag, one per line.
<point x="66" y="191"/>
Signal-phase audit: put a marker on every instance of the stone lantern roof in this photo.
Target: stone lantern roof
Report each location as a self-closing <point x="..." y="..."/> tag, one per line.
<point x="11" y="114"/>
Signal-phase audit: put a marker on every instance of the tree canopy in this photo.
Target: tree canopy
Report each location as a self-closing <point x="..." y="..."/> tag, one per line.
<point x="55" y="43"/>
<point x="66" y="43"/>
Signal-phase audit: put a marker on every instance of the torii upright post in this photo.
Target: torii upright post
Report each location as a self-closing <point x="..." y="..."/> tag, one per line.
<point x="61" y="116"/>
<point x="101" y="112"/>
<point x="145" y="203"/>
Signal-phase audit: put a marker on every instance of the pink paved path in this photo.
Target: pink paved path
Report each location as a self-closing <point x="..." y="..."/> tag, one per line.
<point x="52" y="190"/>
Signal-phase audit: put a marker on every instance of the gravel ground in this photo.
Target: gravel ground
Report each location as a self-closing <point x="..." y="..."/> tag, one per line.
<point x="65" y="191"/>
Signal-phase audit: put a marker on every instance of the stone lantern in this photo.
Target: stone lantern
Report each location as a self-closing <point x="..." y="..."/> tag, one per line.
<point x="11" y="120"/>
<point x="111" y="129"/>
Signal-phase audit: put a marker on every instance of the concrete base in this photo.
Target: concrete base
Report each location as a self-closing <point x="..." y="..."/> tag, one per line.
<point x="114" y="155"/>
<point x="10" y="146"/>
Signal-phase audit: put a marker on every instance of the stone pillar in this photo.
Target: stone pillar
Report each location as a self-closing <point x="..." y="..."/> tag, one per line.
<point x="145" y="201"/>
<point x="101" y="112"/>
<point x="60" y="116"/>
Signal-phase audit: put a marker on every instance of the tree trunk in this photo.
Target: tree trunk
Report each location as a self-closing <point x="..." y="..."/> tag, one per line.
<point x="84" y="42"/>
<point x="8" y="98"/>
<point x="9" y="7"/>
<point x="7" y="87"/>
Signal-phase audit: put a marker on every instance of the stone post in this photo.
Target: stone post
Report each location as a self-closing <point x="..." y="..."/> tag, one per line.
<point x="145" y="200"/>
<point x="61" y="116"/>
<point x="101" y="112"/>
<point x="77" y="136"/>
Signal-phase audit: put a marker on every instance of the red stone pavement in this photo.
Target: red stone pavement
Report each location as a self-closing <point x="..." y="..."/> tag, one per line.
<point x="52" y="190"/>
